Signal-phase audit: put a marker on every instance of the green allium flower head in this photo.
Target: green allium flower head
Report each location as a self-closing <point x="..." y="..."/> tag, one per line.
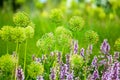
<point x="117" y="44"/>
<point x="21" y="19"/>
<point x="46" y="43"/>
<point x="76" y="61"/>
<point x="76" y="23"/>
<point x="63" y="36"/>
<point x="7" y="63"/>
<point x="5" y="33"/>
<point x="29" y="31"/>
<point x="35" y="69"/>
<point x="91" y="37"/>
<point x="18" y="34"/>
<point x="56" y="16"/>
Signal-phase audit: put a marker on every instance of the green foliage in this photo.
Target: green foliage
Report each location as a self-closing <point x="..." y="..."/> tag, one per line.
<point x="91" y="37"/>
<point x="76" y="23"/>
<point x="7" y="63"/>
<point x="35" y="69"/>
<point x="117" y="44"/>
<point x="21" y="19"/>
<point x="56" y="16"/>
<point x="63" y="36"/>
<point x="5" y="33"/>
<point x="46" y="42"/>
<point x="18" y="34"/>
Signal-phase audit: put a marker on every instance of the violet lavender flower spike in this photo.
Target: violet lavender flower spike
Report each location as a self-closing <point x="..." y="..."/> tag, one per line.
<point x="75" y="47"/>
<point x="94" y="62"/>
<point x="68" y="61"/>
<point x="40" y="78"/>
<point x="105" y="47"/>
<point x="82" y="52"/>
<point x="59" y="57"/>
<point x="20" y="74"/>
<point x="53" y="74"/>
<point x="95" y="75"/>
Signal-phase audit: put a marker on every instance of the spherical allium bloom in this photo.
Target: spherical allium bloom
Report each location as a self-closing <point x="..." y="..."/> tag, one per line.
<point x="63" y="36"/>
<point x="105" y="47"/>
<point x="20" y="74"/>
<point x="56" y="16"/>
<point x="47" y="41"/>
<point x="91" y="37"/>
<point x="5" y="33"/>
<point x="76" y="23"/>
<point x="29" y="32"/>
<point x="117" y="44"/>
<point x="7" y="63"/>
<point x="35" y="69"/>
<point x="18" y="34"/>
<point x="21" y="19"/>
<point x="76" y="61"/>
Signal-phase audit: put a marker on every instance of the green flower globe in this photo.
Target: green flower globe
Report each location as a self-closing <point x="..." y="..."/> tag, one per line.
<point x="46" y="43"/>
<point x="117" y="44"/>
<point x="63" y="36"/>
<point x="91" y="37"/>
<point x="18" y="35"/>
<point x="76" y="61"/>
<point x="35" y="69"/>
<point x="56" y="16"/>
<point x="76" y="23"/>
<point x="29" y="31"/>
<point x="7" y="63"/>
<point x="21" y="19"/>
<point x="5" y="33"/>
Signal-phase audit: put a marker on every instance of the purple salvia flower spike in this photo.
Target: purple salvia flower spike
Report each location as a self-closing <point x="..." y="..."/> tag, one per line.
<point x="95" y="75"/>
<point x="94" y="62"/>
<point x="20" y="74"/>
<point x="53" y="74"/>
<point x="82" y="52"/>
<point x="75" y="47"/>
<point x="105" y="47"/>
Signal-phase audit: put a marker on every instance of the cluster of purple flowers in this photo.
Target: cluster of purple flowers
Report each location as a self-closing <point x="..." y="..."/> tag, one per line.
<point x="20" y="74"/>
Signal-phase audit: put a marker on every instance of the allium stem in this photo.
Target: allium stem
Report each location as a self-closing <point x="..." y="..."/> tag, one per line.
<point x="25" y="55"/>
<point x="7" y="47"/>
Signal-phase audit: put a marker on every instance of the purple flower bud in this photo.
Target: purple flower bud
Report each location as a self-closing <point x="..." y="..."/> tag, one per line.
<point x="94" y="62"/>
<point x="59" y="57"/>
<point x="82" y="52"/>
<point x="105" y="47"/>
<point x="95" y="75"/>
<point x="69" y="76"/>
<point x="68" y="61"/>
<point x="52" y="75"/>
<point x="40" y="78"/>
<point x="102" y="62"/>
<point x="116" y="56"/>
<point x="75" y="47"/>
<point x="110" y="60"/>
<point x="19" y="74"/>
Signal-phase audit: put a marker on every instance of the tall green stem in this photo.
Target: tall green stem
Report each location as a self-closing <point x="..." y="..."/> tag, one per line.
<point x="16" y="58"/>
<point x="25" y="56"/>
